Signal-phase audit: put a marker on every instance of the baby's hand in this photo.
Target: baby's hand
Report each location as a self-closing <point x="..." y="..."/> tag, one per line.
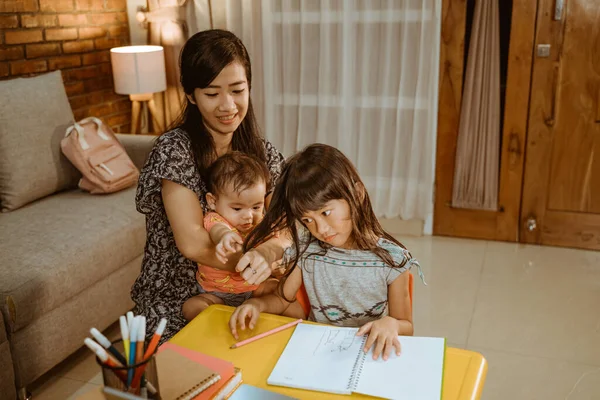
<point x="230" y="243"/>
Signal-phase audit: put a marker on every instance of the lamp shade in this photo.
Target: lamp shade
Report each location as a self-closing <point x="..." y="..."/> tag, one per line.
<point x="138" y="69"/>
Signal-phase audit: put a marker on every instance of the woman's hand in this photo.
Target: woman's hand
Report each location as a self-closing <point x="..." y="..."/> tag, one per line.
<point x="230" y="243"/>
<point x="247" y="311"/>
<point x="254" y="267"/>
<point x="383" y="334"/>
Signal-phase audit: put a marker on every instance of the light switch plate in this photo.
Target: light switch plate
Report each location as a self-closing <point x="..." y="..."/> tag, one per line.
<point x="543" y="50"/>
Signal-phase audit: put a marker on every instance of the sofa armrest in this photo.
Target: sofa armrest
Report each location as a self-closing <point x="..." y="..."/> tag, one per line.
<point x="137" y="146"/>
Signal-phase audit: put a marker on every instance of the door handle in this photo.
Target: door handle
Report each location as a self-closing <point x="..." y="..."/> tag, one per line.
<point x="555" y="82"/>
<point x="559" y="6"/>
<point x="597" y="119"/>
<point x="514" y="149"/>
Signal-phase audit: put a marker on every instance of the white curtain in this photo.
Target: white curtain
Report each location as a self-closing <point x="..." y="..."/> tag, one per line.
<point x="360" y="75"/>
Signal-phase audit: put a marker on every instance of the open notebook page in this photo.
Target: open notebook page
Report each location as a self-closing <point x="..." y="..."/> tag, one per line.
<point x="415" y="374"/>
<point x="318" y="358"/>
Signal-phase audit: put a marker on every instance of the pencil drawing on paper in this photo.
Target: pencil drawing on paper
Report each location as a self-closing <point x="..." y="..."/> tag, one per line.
<point x="335" y="341"/>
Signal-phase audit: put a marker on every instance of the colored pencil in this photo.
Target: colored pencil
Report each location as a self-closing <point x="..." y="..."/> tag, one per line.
<point x="125" y="335"/>
<point x="268" y="333"/>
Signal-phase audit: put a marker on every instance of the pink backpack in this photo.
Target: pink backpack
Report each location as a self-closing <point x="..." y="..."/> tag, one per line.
<point x="96" y="152"/>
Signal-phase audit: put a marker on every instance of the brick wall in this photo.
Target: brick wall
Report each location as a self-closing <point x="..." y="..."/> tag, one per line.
<point x="74" y="36"/>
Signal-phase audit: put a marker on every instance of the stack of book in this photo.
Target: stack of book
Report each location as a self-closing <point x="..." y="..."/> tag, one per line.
<point x="184" y="374"/>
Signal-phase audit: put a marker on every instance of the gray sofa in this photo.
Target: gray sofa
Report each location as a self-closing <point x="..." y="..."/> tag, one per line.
<point x="68" y="258"/>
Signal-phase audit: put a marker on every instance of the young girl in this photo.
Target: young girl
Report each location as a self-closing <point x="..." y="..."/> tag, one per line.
<point x="355" y="274"/>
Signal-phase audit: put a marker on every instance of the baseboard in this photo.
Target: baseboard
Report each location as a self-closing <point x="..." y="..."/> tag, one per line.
<point x="400" y="227"/>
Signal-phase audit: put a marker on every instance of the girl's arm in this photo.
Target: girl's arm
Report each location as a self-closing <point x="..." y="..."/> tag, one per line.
<point x="248" y="313"/>
<point x="186" y="218"/>
<point x="383" y="333"/>
<point x="400" y="304"/>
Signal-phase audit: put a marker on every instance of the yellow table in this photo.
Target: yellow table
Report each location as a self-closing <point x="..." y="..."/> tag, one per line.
<point x="464" y="371"/>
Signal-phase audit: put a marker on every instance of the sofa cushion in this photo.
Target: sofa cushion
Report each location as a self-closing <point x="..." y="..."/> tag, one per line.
<point x="58" y="246"/>
<point x="34" y="114"/>
<point x="49" y="339"/>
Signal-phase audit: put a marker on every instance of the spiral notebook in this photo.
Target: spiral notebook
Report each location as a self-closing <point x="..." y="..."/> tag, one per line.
<point x="330" y="359"/>
<point x="181" y="378"/>
<point x="223" y="368"/>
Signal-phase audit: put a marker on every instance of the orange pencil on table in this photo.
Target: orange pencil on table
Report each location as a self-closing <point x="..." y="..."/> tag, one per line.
<point x="268" y="333"/>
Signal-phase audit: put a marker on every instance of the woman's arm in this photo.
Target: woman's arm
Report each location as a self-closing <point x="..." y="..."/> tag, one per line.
<point x="186" y="217"/>
<point x="262" y="259"/>
<point x="248" y="313"/>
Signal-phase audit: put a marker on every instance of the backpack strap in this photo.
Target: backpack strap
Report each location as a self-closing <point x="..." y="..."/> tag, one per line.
<point x="80" y="135"/>
<point x="98" y="123"/>
<point x="81" y="132"/>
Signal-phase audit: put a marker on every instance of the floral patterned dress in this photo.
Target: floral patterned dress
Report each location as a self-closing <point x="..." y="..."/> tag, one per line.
<point x="167" y="278"/>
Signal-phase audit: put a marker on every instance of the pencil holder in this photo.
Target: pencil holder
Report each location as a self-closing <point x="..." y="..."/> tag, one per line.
<point x="140" y="379"/>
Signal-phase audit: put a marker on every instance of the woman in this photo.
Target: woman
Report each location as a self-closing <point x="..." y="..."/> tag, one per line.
<point x="218" y="117"/>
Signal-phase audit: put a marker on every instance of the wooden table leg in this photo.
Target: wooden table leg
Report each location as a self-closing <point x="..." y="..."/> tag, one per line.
<point x="155" y="116"/>
<point x="135" y="116"/>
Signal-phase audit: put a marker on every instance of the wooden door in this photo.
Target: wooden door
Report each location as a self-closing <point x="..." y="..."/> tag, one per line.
<point x="483" y="224"/>
<point x="561" y="187"/>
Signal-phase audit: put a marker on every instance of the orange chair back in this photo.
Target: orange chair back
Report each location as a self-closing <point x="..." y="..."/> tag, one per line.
<point x="302" y="297"/>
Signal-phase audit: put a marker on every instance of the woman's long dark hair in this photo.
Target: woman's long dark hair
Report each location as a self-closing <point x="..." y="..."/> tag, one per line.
<point x="310" y="179"/>
<point x="202" y="58"/>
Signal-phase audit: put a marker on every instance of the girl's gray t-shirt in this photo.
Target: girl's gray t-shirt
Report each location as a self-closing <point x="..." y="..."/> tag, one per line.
<point x="349" y="287"/>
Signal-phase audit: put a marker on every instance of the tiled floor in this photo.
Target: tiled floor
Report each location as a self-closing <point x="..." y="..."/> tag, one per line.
<point x="533" y="312"/>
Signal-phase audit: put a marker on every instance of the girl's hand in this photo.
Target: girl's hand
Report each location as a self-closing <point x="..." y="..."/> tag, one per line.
<point x="247" y="311"/>
<point x="384" y="334"/>
<point x="254" y="267"/>
<point x="230" y="243"/>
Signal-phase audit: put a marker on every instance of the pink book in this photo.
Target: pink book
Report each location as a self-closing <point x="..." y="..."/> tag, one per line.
<point x="224" y="368"/>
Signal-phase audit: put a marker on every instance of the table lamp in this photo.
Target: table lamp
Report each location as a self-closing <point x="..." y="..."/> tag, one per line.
<point x="139" y="71"/>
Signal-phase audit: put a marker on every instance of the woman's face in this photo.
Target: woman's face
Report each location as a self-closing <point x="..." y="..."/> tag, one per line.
<point x="224" y="103"/>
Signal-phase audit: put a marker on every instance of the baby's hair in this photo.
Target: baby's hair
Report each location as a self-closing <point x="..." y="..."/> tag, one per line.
<point x="240" y="170"/>
<point x="309" y="180"/>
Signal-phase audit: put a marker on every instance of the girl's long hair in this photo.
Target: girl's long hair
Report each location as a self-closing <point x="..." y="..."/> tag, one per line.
<point x="311" y="178"/>
<point x="202" y="58"/>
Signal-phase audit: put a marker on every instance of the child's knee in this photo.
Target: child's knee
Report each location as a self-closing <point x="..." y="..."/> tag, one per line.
<point x="195" y="305"/>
